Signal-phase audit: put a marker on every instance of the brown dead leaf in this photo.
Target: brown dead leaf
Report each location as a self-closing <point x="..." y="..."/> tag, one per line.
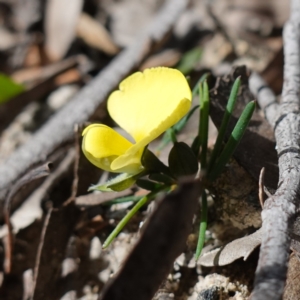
<point x="60" y="26"/>
<point x="33" y="57"/>
<point x="70" y="76"/>
<point x="34" y="76"/>
<point x="9" y="39"/>
<point x="239" y="248"/>
<point x="167" y="58"/>
<point x="215" y="51"/>
<point x="95" y="34"/>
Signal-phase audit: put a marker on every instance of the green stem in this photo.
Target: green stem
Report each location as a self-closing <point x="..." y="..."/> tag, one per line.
<point x="130" y="214"/>
<point x="173" y="135"/>
<point x="122" y="200"/>
<point x="204" y="118"/>
<point x="203" y="225"/>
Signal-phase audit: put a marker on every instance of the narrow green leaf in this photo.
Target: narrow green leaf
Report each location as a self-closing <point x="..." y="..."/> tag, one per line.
<point x="202" y="137"/>
<point x="225" y="121"/>
<point x="129" y="215"/>
<point x="9" y="88"/>
<point x="123" y="200"/>
<point x="198" y="139"/>
<point x="233" y="141"/>
<point x="203" y="124"/>
<point x="203" y="225"/>
<point x="125" y="220"/>
<point x="172" y="134"/>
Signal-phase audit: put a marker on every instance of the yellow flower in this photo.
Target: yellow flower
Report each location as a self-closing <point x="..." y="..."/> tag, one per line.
<point x="146" y="105"/>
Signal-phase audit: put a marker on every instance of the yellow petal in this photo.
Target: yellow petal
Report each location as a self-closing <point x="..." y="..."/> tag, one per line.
<point x="129" y="158"/>
<point x="137" y="149"/>
<point x="148" y="103"/>
<point x="102" y="145"/>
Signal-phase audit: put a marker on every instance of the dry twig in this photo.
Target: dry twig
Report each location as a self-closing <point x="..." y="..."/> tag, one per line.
<point x="265" y="97"/>
<point x="261" y="187"/>
<point x="280" y="209"/>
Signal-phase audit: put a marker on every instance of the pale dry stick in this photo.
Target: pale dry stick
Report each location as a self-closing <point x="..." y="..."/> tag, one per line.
<point x="265" y="97"/>
<point x="261" y="192"/>
<point x="60" y="127"/>
<point x="280" y="209"/>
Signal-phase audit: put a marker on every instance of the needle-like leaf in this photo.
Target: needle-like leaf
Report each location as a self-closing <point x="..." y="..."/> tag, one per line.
<point x="226" y="118"/>
<point x="233" y="141"/>
<point x="203" y="124"/>
<point x="130" y="214"/>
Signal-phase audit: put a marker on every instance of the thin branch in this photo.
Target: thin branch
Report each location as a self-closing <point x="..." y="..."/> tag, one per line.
<point x="280" y="209"/>
<point x="60" y="127"/>
<point x="265" y="97"/>
<point x="76" y="164"/>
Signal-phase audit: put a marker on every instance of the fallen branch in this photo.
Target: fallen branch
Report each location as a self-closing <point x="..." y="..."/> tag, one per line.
<point x="59" y="128"/>
<point x="280" y="209"/>
<point x="265" y="97"/>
